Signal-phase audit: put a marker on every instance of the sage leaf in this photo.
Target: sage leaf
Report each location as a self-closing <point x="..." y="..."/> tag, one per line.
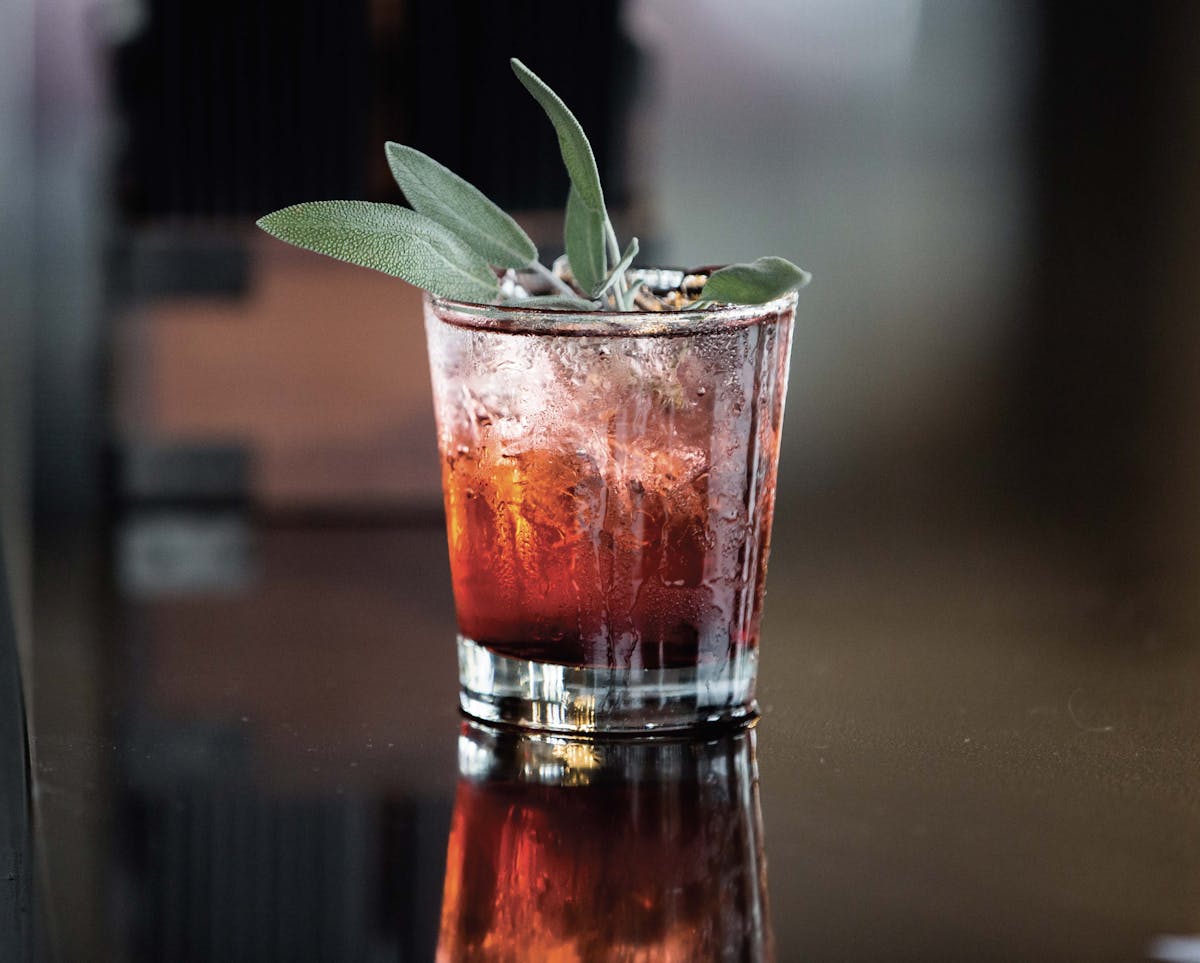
<point x="755" y="283"/>
<point x="556" y="302"/>
<point x="584" y="236"/>
<point x="443" y="196"/>
<point x="576" y="151"/>
<point x="390" y="239"/>
<point x="618" y="272"/>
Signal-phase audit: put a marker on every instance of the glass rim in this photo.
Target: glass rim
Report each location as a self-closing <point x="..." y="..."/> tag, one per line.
<point x="558" y="322"/>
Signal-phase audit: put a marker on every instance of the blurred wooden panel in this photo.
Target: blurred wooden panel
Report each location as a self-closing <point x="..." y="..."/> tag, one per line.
<point x="321" y="371"/>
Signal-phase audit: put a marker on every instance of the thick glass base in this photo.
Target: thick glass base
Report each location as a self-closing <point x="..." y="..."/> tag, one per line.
<point x="563" y="698"/>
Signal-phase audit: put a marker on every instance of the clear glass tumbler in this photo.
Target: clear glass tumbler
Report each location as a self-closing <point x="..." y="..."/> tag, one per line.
<point x="572" y="848"/>
<point x="609" y="482"/>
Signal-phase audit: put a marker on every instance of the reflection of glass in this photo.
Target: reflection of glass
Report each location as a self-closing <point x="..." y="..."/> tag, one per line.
<point x="609" y="483"/>
<point x="564" y="848"/>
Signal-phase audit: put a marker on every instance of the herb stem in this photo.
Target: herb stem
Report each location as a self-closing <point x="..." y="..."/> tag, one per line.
<point x="610" y="238"/>
<point x="614" y="255"/>
<point x="554" y="279"/>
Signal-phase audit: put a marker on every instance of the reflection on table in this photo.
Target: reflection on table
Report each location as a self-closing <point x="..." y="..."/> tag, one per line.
<point x="589" y="849"/>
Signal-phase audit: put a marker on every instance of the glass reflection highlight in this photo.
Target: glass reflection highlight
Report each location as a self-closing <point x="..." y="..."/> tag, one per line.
<point x="571" y="849"/>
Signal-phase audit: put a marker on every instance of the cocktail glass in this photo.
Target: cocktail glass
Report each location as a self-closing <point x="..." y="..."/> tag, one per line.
<point x="571" y="848"/>
<point x="609" y="483"/>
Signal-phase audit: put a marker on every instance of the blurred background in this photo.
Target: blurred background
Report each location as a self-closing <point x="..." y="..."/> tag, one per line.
<point x="994" y="372"/>
<point x="994" y="197"/>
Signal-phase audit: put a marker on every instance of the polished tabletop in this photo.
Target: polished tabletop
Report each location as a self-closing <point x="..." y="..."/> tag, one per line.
<point x="970" y="748"/>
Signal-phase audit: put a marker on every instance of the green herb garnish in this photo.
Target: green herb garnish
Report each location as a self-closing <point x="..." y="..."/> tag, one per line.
<point x="452" y="238"/>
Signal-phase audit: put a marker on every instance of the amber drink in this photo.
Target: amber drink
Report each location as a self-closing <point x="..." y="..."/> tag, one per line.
<point x="609" y="482"/>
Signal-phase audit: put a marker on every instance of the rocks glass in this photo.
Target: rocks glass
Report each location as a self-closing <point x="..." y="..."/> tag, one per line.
<point x="609" y="482"/>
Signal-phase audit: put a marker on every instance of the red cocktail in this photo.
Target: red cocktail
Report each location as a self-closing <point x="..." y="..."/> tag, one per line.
<point x="609" y="483"/>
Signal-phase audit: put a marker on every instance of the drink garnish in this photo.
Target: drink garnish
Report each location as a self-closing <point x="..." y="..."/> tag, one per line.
<point x="456" y="243"/>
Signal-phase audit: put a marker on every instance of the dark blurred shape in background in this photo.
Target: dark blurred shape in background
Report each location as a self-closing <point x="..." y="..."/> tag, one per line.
<point x="1000" y="203"/>
<point x="229" y="111"/>
<point x="1105" y="362"/>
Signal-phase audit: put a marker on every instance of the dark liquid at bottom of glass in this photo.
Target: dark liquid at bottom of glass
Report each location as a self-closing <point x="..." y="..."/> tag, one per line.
<point x="555" y="561"/>
<point x="681" y="649"/>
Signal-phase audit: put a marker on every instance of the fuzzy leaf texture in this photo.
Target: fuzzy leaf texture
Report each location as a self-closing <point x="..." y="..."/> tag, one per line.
<point x="584" y="236"/>
<point x="572" y="141"/>
<point x="755" y="283"/>
<point x="391" y="239"/>
<point x="443" y="196"/>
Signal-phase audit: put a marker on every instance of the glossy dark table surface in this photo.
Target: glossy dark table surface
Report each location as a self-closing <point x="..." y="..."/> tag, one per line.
<point x="248" y="749"/>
